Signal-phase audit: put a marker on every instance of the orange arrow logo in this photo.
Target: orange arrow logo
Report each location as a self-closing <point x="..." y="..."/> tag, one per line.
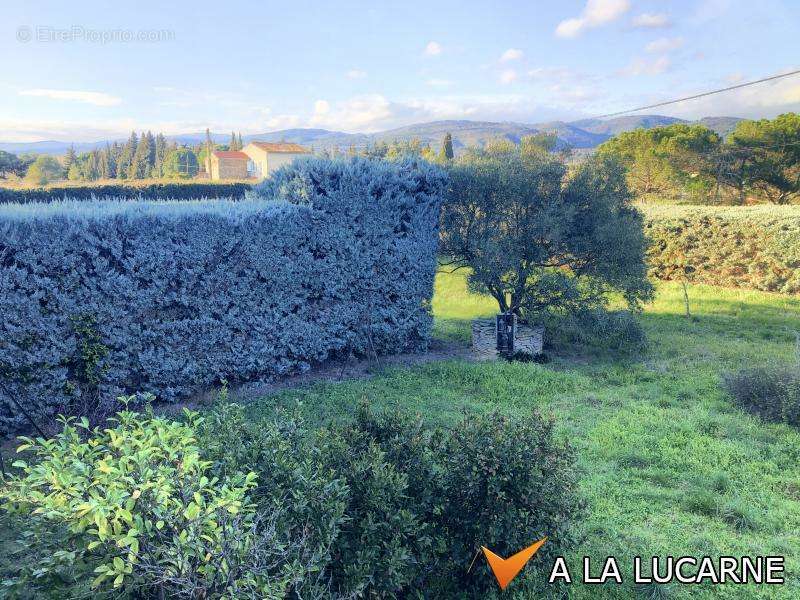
<point x="505" y="569"/>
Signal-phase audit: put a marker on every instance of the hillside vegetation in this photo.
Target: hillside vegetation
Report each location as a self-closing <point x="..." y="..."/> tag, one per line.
<point x="755" y="247"/>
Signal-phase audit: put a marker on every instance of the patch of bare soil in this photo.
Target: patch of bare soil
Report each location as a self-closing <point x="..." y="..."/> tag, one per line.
<point x="331" y="371"/>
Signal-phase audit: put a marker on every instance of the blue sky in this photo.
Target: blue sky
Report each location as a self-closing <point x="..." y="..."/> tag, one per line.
<point x="71" y="71"/>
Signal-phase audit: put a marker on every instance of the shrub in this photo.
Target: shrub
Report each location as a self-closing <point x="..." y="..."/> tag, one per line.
<point x="292" y="476"/>
<point x="418" y="502"/>
<point x="507" y="483"/>
<point x="618" y="330"/>
<point x="537" y="241"/>
<point x="128" y="191"/>
<point x="755" y="247"/>
<point x="489" y="480"/>
<point x="773" y="393"/>
<point x="140" y="503"/>
<point x="171" y="297"/>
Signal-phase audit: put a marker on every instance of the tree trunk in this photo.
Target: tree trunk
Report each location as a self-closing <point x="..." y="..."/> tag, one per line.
<point x="686" y="298"/>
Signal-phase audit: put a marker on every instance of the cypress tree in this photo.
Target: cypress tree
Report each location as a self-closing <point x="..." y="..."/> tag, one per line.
<point x="138" y="167"/>
<point x="233" y="141"/>
<point x="161" y="152"/>
<point x="69" y="157"/>
<point x="102" y="162"/>
<point x="447" y="147"/>
<point x="113" y="159"/>
<point x="241" y="145"/>
<point x="126" y="156"/>
<point x="151" y="154"/>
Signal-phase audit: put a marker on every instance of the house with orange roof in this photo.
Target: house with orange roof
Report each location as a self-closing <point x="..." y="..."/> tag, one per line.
<point x="256" y="160"/>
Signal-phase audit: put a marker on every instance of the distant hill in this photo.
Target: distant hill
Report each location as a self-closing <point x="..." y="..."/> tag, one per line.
<point x="615" y="125"/>
<point x="573" y="135"/>
<point x="583" y="134"/>
<point x="722" y="125"/>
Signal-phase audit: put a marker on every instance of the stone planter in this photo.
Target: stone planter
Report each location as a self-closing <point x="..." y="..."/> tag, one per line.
<point x="528" y="339"/>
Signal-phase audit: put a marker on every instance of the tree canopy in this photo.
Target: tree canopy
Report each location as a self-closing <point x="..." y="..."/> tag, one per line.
<point x="538" y="240"/>
<point x="44" y="170"/>
<point x="760" y="160"/>
<point x="666" y="161"/>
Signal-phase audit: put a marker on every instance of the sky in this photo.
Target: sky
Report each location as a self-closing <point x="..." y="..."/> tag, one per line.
<point x="90" y="70"/>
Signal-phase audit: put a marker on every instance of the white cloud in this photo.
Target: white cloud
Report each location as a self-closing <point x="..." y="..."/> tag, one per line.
<point x="433" y="49"/>
<point x="508" y="76"/>
<point x="282" y="122"/>
<point x="595" y="14"/>
<point x="359" y="113"/>
<point x="651" y="21"/>
<point x="95" y="98"/>
<point x="511" y="54"/>
<point x="645" y="66"/>
<point x="662" y="45"/>
<point x="356" y="74"/>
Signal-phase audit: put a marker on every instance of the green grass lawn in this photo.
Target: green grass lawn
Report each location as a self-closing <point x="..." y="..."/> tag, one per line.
<point x="668" y="465"/>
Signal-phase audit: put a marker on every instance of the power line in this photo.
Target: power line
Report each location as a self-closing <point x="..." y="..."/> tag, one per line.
<point x="726" y="89"/>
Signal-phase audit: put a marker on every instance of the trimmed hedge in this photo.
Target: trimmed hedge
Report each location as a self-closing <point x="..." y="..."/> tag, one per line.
<point x="151" y="191"/>
<point x="100" y="298"/>
<point x="754" y="247"/>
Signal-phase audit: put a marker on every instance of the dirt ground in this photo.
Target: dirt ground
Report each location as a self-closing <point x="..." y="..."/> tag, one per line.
<point x="330" y="371"/>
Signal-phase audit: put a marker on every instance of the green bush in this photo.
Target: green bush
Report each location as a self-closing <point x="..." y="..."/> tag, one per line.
<point x="292" y="476"/>
<point x="150" y="191"/>
<point x="773" y="392"/>
<point x="507" y="483"/>
<point x="490" y="480"/>
<point x="418" y="502"/>
<point x="379" y="506"/>
<point x="616" y="330"/>
<point x="138" y="503"/>
<point x="339" y="491"/>
<point x="755" y="247"/>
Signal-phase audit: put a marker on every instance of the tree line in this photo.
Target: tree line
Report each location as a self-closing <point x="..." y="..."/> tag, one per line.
<point x="142" y="156"/>
<point x="758" y="161"/>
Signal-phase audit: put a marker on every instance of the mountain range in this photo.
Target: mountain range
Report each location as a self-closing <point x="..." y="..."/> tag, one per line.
<point x="586" y="133"/>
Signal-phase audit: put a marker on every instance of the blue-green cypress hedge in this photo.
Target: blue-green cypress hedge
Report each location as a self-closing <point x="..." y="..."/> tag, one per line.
<point x="112" y="296"/>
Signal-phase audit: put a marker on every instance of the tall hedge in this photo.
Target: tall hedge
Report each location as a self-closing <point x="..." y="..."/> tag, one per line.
<point x="151" y="191"/>
<point x="103" y="297"/>
<point x="755" y="247"/>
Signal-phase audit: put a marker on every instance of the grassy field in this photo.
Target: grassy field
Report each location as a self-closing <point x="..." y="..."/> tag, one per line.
<point x="668" y="464"/>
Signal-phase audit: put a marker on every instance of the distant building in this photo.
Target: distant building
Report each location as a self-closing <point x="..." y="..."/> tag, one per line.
<point x="256" y="160"/>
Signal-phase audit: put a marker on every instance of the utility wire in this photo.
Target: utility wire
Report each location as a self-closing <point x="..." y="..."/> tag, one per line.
<point x="726" y="89"/>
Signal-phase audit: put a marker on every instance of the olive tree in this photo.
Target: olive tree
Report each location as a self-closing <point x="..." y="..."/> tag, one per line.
<point x="538" y="239"/>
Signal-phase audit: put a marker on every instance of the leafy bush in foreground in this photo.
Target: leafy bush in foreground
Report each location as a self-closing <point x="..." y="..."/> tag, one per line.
<point x="417" y="502"/>
<point x="379" y="506"/>
<point x="140" y="505"/>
